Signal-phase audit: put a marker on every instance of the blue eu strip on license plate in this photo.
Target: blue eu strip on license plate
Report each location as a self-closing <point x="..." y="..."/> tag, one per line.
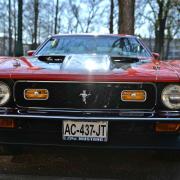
<point x="85" y="131"/>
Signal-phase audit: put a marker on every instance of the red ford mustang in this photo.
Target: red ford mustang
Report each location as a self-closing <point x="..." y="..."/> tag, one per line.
<point x="90" y="91"/>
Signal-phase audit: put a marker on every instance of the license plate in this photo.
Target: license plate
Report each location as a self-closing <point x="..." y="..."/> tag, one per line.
<point x="85" y="131"/>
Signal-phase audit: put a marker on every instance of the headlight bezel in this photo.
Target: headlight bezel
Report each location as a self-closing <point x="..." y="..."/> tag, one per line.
<point x="166" y="100"/>
<point x="9" y="93"/>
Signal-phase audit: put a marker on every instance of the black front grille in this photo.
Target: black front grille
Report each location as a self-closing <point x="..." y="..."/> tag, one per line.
<point x="69" y="95"/>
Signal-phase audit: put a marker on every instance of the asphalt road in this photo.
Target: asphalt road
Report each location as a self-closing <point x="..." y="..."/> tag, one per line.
<point x="56" y="163"/>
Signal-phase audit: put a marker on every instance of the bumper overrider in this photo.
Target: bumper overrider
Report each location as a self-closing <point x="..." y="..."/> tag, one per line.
<point x="143" y="130"/>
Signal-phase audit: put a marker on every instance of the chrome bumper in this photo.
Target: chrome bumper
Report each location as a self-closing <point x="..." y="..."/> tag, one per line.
<point x="90" y="117"/>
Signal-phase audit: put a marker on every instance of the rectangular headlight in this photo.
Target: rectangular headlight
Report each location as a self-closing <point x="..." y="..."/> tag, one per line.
<point x="36" y="94"/>
<point x="133" y="95"/>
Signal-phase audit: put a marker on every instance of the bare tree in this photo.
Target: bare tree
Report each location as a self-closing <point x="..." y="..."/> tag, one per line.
<point x="56" y="17"/>
<point x="160" y="10"/>
<point x="172" y="27"/>
<point x="111" y="17"/>
<point x="19" y="46"/>
<point x="162" y="16"/>
<point x="160" y="25"/>
<point x="84" y="21"/>
<point x="126" y="16"/>
<point x="10" y="29"/>
<point x="75" y="10"/>
<point x="94" y="7"/>
<point x="14" y="26"/>
<point x="36" y="14"/>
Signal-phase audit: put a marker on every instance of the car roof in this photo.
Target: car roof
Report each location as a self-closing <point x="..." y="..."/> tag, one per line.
<point x="94" y="34"/>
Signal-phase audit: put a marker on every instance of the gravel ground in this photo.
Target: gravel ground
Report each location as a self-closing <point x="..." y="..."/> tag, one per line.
<point x="92" y="163"/>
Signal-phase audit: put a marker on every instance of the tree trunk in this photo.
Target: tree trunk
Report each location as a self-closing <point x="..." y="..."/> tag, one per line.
<point x="19" y="47"/>
<point x="36" y="14"/>
<point x="126" y="16"/>
<point x="15" y="27"/>
<point x="56" y="17"/>
<point x="4" y="36"/>
<point x="111" y="17"/>
<point x="169" y="39"/>
<point x="168" y="48"/>
<point x="160" y="26"/>
<point x="10" y="29"/>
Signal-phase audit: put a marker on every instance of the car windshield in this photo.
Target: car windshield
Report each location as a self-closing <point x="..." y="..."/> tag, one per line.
<point x="101" y="45"/>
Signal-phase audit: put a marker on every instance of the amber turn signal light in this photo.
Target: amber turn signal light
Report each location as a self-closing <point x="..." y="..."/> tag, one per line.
<point x="167" y="127"/>
<point x="133" y="95"/>
<point x="7" y="123"/>
<point x="36" y="94"/>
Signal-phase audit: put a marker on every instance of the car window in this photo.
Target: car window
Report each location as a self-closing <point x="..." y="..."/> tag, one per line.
<point x="113" y="46"/>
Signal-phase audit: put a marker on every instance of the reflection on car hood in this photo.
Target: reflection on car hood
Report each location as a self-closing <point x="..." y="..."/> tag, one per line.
<point x="90" y="68"/>
<point x="88" y="63"/>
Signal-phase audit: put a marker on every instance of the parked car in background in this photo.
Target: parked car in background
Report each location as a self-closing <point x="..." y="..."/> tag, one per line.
<point x="90" y="91"/>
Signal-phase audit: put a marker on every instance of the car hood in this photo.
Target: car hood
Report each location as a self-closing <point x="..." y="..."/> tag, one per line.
<point x="89" y="68"/>
<point x="175" y="65"/>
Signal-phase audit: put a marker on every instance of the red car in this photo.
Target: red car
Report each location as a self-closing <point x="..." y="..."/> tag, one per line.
<point x="90" y="91"/>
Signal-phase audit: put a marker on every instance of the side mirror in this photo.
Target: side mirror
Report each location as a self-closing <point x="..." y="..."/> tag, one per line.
<point x="156" y="56"/>
<point x="30" y="52"/>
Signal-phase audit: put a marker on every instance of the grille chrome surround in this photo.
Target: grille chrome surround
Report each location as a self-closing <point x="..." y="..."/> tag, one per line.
<point x="98" y="84"/>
